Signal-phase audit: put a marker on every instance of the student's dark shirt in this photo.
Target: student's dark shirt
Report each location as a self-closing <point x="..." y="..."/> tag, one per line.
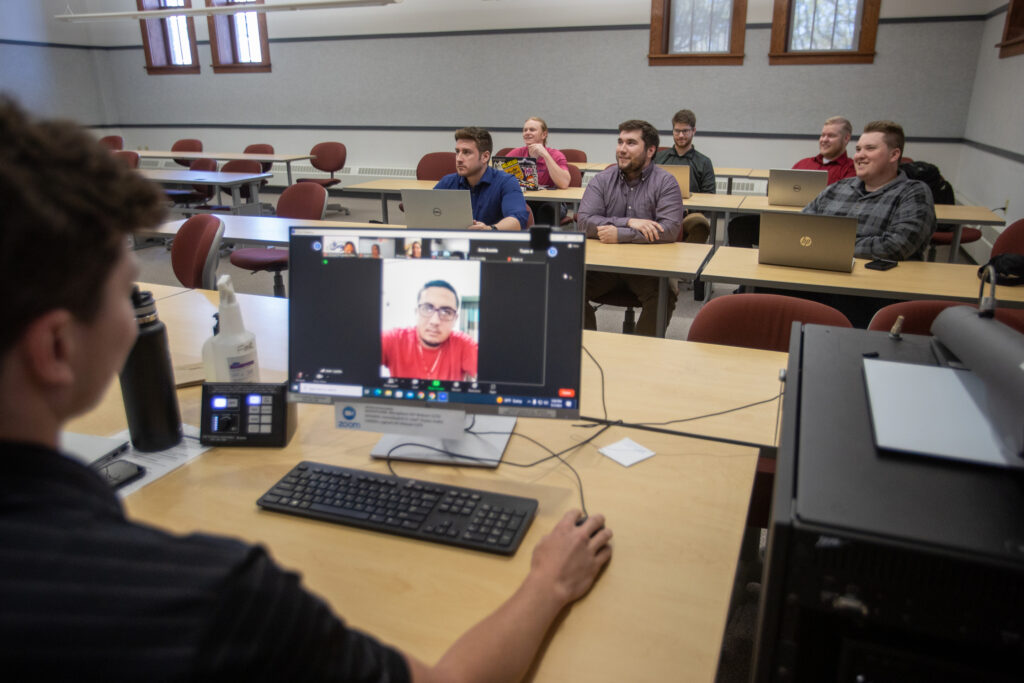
<point x="87" y="595"/>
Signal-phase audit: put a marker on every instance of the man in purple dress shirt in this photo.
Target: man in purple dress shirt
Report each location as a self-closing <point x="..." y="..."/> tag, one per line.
<point x="633" y="201"/>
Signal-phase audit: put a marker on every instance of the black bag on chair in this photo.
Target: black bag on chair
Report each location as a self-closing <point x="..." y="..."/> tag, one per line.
<point x="1009" y="269"/>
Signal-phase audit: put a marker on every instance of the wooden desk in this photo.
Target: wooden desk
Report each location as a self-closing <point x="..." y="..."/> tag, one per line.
<point x="909" y="280"/>
<point x="285" y="159"/>
<point x="233" y="181"/>
<point x="663" y="598"/>
<point x="664" y="261"/>
<point x="956" y="214"/>
<point x="679" y="259"/>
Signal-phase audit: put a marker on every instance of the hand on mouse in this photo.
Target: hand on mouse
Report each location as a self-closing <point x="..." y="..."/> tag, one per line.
<point x="569" y="558"/>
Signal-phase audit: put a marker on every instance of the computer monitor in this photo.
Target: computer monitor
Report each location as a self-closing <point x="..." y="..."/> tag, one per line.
<point x="405" y="331"/>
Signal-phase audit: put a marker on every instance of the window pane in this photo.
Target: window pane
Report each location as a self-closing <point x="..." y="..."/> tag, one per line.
<point x="247" y="36"/>
<point x="825" y="25"/>
<point x="700" y="26"/>
<point x="177" y="33"/>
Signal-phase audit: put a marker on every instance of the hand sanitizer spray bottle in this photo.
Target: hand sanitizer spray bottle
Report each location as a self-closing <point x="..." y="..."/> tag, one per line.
<point x="230" y="354"/>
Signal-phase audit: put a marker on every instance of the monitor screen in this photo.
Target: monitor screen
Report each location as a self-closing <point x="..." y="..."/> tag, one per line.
<point x="467" y="320"/>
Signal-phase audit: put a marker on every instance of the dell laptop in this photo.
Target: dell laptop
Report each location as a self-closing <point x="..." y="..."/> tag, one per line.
<point x="794" y="187"/>
<point x="806" y="240"/>
<point x="445" y="209"/>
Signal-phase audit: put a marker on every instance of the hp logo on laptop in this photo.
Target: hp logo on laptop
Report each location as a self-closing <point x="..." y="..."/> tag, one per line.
<point x="805" y="241"/>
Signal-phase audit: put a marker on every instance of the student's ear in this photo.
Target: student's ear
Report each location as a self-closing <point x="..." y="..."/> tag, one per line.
<point x="48" y="346"/>
<point x="895" y="154"/>
<point x="486" y="156"/>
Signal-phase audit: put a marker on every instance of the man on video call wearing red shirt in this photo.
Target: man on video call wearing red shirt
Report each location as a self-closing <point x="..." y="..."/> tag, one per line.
<point x="432" y="349"/>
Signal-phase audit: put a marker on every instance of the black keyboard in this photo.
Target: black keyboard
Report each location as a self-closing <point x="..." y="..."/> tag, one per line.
<point x="468" y="518"/>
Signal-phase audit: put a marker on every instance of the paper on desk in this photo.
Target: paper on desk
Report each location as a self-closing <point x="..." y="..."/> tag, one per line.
<point x="627" y="452"/>
<point x="159" y="463"/>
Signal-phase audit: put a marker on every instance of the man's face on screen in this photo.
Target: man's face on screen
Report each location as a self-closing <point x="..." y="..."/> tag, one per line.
<point x="436" y="314"/>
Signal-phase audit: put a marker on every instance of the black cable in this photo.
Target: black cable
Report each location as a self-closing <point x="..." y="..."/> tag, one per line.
<point x="604" y="407"/>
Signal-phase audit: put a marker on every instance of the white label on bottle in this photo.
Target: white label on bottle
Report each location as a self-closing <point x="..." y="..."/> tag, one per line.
<point x="242" y="368"/>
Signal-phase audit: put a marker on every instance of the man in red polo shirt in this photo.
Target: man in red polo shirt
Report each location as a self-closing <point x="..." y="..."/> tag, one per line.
<point x="432" y="349"/>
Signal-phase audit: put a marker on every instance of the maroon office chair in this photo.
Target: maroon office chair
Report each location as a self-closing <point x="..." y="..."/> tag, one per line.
<point x="623" y="297"/>
<point x="577" y="155"/>
<point x="197" y="194"/>
<point x="302" y="200"/>
<point x="503" y="152"/>
<point x="918" y="316"/>
<point x="1010" y="240"/>
<point x="195" y="252"/>
<point x="759" y="321"/>
<point x="240" y="166"/>
<point x="186" y="145"/>
<point x="435" y="165"/>
<point x="127" y="157"/>
<point x="327" y="156"/>
<point x="112" y="142"/>
<point x="261" y="148"/>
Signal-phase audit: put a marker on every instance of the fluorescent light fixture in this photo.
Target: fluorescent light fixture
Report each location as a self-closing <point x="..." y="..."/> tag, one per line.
<point x="222" y="9"/>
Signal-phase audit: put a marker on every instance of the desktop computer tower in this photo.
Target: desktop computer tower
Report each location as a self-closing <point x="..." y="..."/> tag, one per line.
<point x="882" y="567"/>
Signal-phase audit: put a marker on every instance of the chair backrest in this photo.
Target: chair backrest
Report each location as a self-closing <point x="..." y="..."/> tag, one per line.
<point x="328" y="156"/>
<point x="575" y="176"/>
<point x="1010" y="240"/>
<point x="307" y="201"/>
<point x="195" y="252"/>
<point x="918" y="316"/>
<point x="577" y="155"/>
<point x="241" y="166"/>
<point x="261" y="148"/>
<point x="758" y="321"/>
<point x="209" y="165"/>
<point x="186" y="145"/>
<point x="435" y="165"/>
<point x="127" y="156"/>
<point x="112" y="142"/>
<point x="503" y="152"/>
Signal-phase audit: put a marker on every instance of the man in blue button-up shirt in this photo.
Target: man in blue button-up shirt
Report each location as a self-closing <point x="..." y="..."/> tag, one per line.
<point x="497" y="200"/>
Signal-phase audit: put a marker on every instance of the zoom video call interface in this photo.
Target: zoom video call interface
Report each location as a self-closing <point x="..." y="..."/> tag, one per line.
<point x="480" y="321"/>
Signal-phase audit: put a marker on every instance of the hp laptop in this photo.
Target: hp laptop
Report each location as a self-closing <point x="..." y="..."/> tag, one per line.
<point x="682" y="174"/>
<point x="523" y="168"/>
<point x="447" y="209"/>
<point x="805" y="240"/>
<point x="788" y="187"/>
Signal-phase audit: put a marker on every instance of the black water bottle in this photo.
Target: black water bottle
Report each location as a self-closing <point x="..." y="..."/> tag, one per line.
<point x="147" y="382"/>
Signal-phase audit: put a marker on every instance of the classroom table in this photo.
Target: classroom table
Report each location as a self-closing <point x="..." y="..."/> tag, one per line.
<point x="233" y="181"/>
<point x="286" y="159"/>
<point x="728" y="172"/>
<point x="956" y="214"/>
<point x="664" y="261"/>
<point x="659" y="607"/>
<point x="909" y="280"/>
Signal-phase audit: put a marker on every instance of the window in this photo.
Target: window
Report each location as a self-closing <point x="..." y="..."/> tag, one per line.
<point x="704" y="32"/>
<point x="824" y="31"/>
<point x="1013" y="32"/>
<point x="169" y="44"/>
<point x="238" y="41"/>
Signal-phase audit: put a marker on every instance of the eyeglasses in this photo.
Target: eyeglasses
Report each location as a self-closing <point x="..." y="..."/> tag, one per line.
<point x="682" y="131"/>
<point x="445" y="313"/>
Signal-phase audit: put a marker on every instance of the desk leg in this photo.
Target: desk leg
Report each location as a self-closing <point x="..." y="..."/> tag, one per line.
<point x="288" y="166"/>
<point x="384" y="208"/>
<point x="661" y="322"/>
<point x="236" y="199"/>
<point x="955" y="246"/>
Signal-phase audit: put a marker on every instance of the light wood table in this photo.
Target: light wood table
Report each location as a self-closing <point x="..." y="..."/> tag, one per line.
<point x="956" y="214"/>
<point x="270" y="231"/>
<point x="678" y="517"/>
<point x="232" y="181"/>
<point x="664" y="261"/>
<point x="285" y="159"/>
<point x="679" y="259"/>
<point x="909" y="280"/>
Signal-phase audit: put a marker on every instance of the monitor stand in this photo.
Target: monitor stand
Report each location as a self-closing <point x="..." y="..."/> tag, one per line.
<point x="484" y="446"/>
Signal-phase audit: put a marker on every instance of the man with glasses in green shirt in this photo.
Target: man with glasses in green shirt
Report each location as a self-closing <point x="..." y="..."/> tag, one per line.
<point x="702" y="171"/>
